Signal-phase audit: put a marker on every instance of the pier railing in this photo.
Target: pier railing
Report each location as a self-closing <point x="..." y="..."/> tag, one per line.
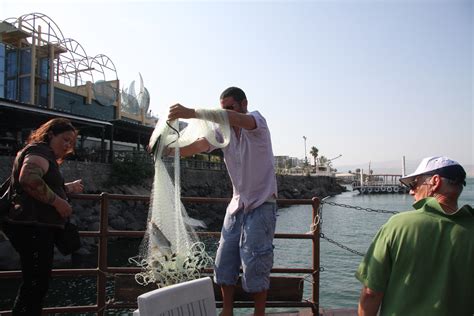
<point x="103" y="270"/>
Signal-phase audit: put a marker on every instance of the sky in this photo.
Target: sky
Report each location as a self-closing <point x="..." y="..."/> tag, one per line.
<point x="369" y="80"/>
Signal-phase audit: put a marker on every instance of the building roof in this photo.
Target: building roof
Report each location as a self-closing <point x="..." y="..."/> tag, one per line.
<point x="9" y="104"/>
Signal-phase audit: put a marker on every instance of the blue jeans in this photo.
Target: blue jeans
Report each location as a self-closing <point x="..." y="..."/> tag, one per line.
<point x="247" y="241"/>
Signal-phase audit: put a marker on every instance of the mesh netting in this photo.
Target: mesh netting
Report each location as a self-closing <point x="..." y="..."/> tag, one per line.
<point x="171" y="252"/>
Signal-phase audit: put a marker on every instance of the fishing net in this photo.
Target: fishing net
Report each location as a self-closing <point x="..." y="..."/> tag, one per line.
<point x="171" y="252"/>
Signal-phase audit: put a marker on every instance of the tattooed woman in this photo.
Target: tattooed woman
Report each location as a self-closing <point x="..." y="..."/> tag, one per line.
<point x="41" y="208"/>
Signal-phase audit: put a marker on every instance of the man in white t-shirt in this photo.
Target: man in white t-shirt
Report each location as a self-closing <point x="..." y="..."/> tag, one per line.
<point x="249" y="225"/>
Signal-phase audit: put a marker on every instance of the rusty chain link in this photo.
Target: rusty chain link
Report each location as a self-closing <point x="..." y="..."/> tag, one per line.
<point x="332" y="241"/>
<point x="367" y="209"/>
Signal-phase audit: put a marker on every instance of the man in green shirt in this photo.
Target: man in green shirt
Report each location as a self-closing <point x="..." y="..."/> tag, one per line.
<point x="422" y="262"/>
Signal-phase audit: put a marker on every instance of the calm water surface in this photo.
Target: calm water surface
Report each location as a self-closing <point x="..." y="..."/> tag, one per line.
<point x="353" y="228"/>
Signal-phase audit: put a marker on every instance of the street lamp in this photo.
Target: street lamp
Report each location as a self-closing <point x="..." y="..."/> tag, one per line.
<point x="305" y="157"/>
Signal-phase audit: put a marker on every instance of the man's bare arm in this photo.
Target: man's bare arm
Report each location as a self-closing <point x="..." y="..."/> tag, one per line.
<point x="199" y="146"/>
<point x="237" y="119"/>
<point x="242" y="120"/>
<point x="369" y="302"/>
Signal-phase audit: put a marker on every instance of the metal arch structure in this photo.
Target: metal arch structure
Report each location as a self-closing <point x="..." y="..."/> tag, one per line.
<point x="75" y="64"/>
<point x="105" y="64"/>
<point x="104" y="67"/>
<point x="71" y="67"/>
<point x="33" y="20"/>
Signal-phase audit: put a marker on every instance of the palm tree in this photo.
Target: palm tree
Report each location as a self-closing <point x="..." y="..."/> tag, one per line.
<point x="314" y="152"/>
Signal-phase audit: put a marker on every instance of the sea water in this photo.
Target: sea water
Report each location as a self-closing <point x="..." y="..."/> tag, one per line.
<point x="350" y="227"/>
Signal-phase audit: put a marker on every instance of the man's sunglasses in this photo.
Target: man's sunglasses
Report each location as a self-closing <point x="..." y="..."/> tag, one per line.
<point x="414" y="183"/>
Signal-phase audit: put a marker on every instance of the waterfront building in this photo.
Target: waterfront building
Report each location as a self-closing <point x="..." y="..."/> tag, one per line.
<point x="284" y="162"/>
<point x="346" y="178"/>
<point x="45" y="74"/>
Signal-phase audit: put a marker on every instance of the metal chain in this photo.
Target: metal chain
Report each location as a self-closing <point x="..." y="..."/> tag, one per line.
<point x="332" y="241"/>
<point x="367" y="209"/>
<point x="319" y="220"/>
<point x="320" y="213"/>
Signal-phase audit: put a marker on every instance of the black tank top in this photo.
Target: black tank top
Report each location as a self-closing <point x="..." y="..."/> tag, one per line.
<point x="27" y="209"/>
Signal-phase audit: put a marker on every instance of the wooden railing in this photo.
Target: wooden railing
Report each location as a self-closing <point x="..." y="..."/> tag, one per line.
<point x="103" y="270"/>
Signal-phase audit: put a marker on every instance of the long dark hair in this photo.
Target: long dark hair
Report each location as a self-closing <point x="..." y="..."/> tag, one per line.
<point x="55" y="126"/>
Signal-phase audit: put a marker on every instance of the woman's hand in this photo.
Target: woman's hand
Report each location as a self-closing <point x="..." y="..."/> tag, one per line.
<point x="62" y="206"/>
<point x="75" y="186"/>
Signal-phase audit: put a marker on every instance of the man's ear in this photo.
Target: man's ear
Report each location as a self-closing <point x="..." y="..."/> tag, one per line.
<point x="435" y="182"/>
<point x="244" y="104"/>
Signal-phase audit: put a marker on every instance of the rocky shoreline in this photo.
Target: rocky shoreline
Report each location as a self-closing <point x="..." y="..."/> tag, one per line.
<point x="132" y="215"/>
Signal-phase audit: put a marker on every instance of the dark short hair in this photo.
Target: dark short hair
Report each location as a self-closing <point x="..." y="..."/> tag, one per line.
<point x="455" y="173"/>
<point x="237" y="93"/>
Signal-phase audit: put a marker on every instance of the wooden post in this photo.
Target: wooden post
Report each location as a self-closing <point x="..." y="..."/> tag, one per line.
<point x="111" y="147"/>
<point x="33" y="69"/>
<point x="51" y="77"/>
<point x="118" y="102"/>
<point x="102" y="145"/>
<point x="138" y="141"/>
<point x="89" y="92"/>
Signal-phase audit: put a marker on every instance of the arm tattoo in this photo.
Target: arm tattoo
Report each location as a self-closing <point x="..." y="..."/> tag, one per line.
<point x="32" y="182"/>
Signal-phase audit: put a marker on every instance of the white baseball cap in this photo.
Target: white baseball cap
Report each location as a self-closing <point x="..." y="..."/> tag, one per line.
<point x="442" y="166"/>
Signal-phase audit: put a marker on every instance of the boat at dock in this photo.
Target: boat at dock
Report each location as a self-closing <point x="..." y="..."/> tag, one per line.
<point x="379" y="184"/>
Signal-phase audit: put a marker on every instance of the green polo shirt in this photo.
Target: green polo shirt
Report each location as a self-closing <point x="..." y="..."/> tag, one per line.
<point x="423" y="262"/>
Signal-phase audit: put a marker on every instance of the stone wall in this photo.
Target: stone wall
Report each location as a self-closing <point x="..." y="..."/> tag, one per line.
<point x="195" y="182"/>
<point x="94" y="174"/>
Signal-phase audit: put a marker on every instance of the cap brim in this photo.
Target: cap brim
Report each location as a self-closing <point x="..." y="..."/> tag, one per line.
<point x="408" y="178"/>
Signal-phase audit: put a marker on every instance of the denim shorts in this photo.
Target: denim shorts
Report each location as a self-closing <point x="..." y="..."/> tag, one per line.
<point x="247" y="241"/>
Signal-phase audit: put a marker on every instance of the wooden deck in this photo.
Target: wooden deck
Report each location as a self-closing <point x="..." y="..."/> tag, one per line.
<point x="287" y="289"/>
<point x="322" y="312"/>
<point x="338" y="312"/>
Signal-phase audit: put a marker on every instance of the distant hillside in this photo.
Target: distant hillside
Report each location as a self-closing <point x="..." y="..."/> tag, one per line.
<point x="392" y="167"/>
